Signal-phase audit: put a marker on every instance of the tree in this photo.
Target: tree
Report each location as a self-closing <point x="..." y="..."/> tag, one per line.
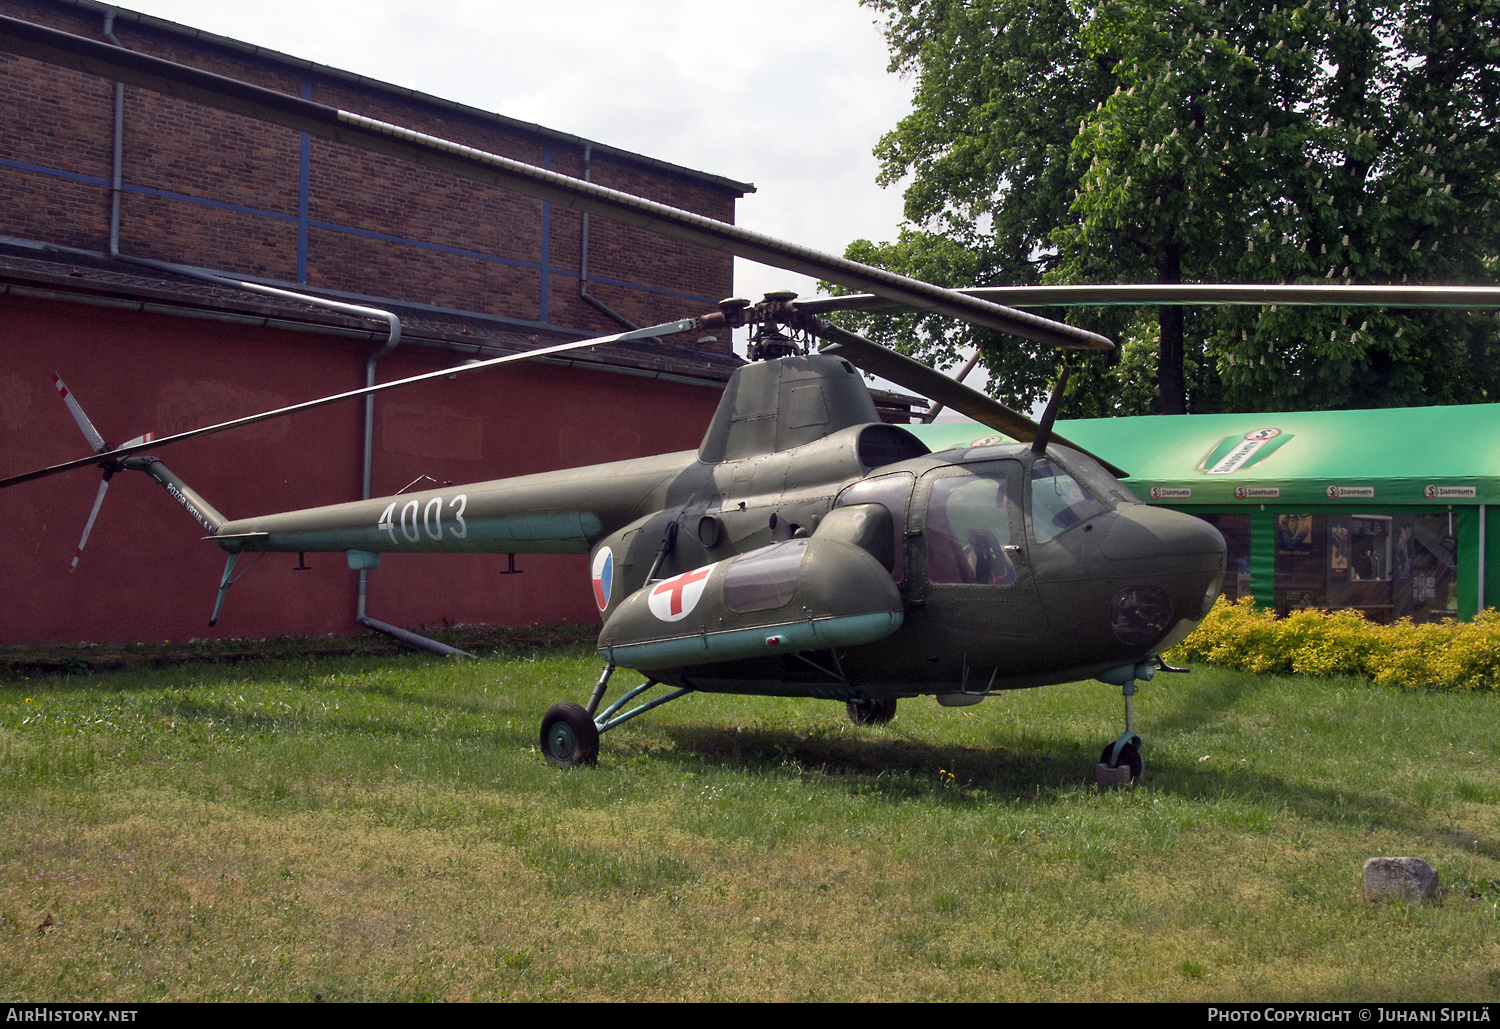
<point x="1179" y="141"/>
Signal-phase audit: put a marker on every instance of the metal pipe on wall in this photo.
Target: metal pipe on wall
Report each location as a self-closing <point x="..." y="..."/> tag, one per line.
<point x="119" y="147"/>
<point x="583" y="260"/>
<point x="393" y="339"/>
<point x="364" y="482"/>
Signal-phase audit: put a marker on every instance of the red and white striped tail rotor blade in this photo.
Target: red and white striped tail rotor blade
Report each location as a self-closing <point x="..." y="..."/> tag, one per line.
<point x="139" y="439"/>
<point x="89" y="525"/>
<point x="89" y="432"/>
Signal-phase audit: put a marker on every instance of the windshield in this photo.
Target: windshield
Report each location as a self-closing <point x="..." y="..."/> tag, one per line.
<point x="1093" y="476"/>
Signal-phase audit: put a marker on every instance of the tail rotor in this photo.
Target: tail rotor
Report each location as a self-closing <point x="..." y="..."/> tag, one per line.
<point x="96" y="441"/>
<point x="99" y="446"/>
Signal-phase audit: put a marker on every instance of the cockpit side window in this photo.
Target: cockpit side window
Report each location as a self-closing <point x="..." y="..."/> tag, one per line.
<point x="892" y="491"/>
<point x="968" y="528"/>
<point x="1058" y="501"/>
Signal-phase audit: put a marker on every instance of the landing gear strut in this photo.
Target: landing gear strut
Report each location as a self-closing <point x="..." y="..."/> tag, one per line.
<point x="570" y="732"/>
<point x="1120" y="764"/>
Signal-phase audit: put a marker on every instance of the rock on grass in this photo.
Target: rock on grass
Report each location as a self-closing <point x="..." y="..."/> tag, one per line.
<point x="1407" y="878"/>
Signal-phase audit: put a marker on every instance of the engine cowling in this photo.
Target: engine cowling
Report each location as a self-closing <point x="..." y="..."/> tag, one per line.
<point x="795" y="595"/>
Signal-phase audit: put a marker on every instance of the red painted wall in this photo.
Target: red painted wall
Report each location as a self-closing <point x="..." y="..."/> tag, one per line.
<point x="146" y="573"/>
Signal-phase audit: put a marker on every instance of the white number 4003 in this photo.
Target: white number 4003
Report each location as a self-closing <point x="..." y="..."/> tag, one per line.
<point x="417" y="519"/>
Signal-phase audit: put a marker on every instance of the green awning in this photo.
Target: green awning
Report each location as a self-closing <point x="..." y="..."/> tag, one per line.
<point x="1424" y="456"/>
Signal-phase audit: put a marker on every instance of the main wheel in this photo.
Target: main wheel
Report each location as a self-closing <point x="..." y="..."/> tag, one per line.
<point x="871" y="711"/>
<point x="569" y="736"/>
<point x="1130" y="757"/>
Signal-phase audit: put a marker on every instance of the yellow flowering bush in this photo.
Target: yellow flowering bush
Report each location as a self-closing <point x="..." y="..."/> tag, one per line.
<point x="1439" y="655"/>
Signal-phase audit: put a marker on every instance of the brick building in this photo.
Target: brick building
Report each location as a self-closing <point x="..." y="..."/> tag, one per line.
<point x="469" y="270"/>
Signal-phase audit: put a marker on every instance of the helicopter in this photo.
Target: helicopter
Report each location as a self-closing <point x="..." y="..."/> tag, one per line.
<point x="806" y="548"/>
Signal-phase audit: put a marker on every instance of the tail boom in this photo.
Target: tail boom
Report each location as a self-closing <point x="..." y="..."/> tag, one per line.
<point x="204" y="513"/>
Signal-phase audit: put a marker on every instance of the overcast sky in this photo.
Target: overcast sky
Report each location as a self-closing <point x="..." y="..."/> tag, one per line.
<point x="791" y="96"/>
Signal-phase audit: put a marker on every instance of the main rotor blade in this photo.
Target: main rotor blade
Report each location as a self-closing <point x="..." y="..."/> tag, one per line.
<point x="1186" y="294"/>
<point x="934" y="385"/>
<point x="307" y="405"/>
<point x="137" y="69"/>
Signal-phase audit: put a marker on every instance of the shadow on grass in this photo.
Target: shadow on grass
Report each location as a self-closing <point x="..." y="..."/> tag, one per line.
<point x="899" y="768"/>
<point x="1196" y="702"/>
<point x="1038" y="770"/>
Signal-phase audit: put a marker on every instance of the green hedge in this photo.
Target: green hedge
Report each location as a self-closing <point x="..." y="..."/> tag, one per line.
<point x="1441" y="655"/>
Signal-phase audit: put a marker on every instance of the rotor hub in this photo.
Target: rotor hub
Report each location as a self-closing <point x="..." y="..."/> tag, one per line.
<point x="767" y="344"/>
<point x="778" y="328"/>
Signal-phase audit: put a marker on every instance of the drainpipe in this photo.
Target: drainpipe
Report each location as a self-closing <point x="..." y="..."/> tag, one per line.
<point x="403" y="635"/>
<point x="119" y="148"/>
<point x="583" y="269"/>
<point x="392" y="341"/>
<point x="369" y="449"/>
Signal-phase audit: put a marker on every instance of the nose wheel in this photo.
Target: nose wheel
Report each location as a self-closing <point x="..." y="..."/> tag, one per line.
<point x="1120" y="763"/>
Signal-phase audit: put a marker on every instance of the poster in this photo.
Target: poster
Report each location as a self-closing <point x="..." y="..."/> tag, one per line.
<point x="1338" y="553"/>
<point x="1294" y="535"/>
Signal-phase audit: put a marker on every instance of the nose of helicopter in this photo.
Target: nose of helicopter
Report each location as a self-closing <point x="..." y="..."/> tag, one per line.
<point x="1175" y="566"/>
<point x="1170" y="540"/>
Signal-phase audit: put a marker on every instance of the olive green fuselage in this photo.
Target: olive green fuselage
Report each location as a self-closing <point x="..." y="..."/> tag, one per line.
<point x="971" y="570"/>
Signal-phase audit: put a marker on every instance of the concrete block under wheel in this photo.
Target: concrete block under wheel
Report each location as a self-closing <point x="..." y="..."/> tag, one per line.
<point x="1108" y="778"/>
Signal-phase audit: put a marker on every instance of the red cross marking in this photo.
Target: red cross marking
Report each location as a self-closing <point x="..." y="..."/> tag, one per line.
<point x="677" y="585"/>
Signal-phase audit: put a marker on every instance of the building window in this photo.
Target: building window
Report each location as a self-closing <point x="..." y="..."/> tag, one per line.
<point x="1387" y="566"/>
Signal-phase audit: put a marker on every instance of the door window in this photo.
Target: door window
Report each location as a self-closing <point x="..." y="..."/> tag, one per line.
<point x="968" y="528"/>
<point x="764" y="579"/>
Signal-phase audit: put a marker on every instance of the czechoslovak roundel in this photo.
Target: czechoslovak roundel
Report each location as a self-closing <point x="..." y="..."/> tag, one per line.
<point x="604" y="576"/>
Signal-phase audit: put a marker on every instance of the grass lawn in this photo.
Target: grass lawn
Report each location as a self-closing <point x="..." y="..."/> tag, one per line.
<point x="368" y="828"/>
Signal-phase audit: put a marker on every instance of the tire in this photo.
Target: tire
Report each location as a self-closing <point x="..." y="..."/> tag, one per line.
<point x="569" y="737"/>
<point x="871" y="711"/>
<point x="1130" y="756"/>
